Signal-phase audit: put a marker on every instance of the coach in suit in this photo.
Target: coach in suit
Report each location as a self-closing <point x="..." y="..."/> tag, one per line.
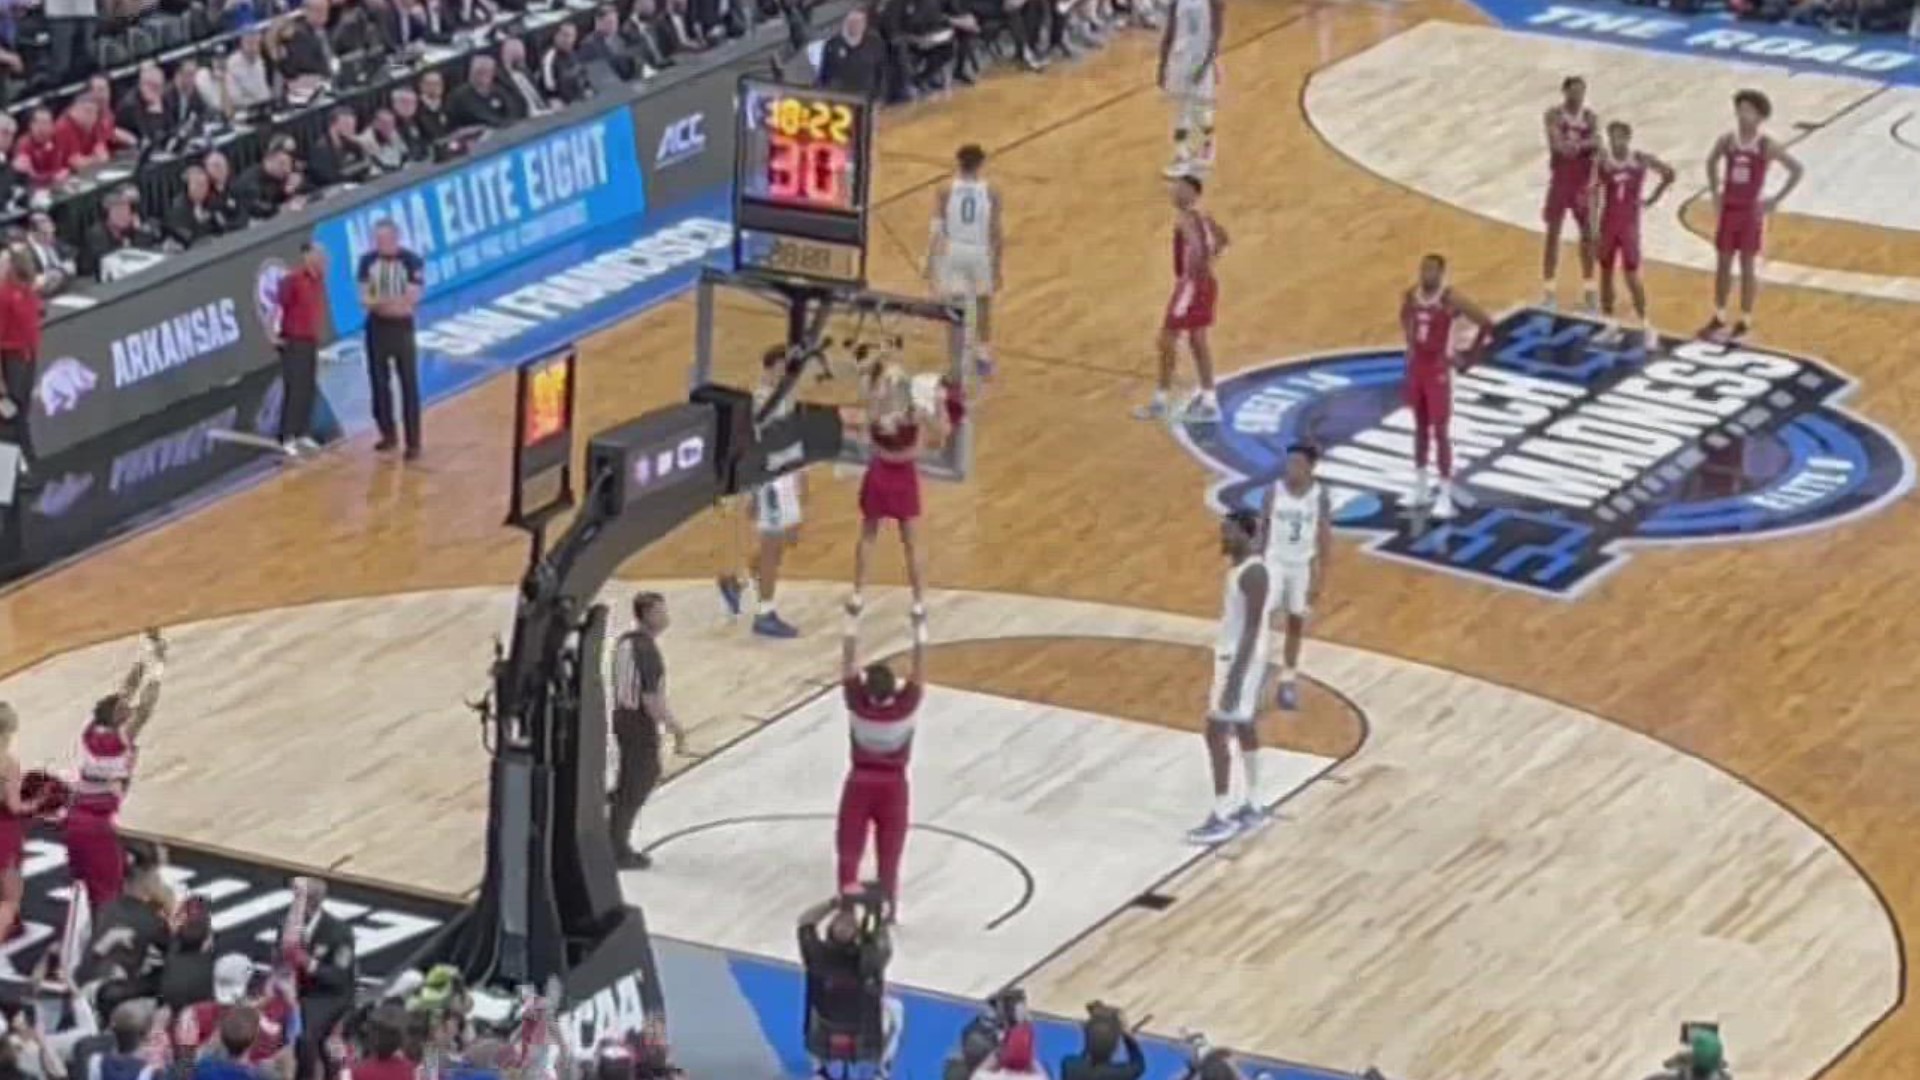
<point x="329" y="971"/>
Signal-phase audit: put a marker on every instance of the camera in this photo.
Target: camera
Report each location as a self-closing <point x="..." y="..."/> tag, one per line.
<point x="1008" y="1008"/>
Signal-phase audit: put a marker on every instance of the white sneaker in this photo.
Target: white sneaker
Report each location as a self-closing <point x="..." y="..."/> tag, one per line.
<point x="1652" y="339"/>
<point x="290" y="448"/>
<point x="1202" y="409"/>
<point x="1422" y="493"/>
<point x="1443" y="506"/>
<point x="1181" y="165"/>
<point x="1152" y="410"/>
<point x="1548" y="300"/>
<point x="307" y="445"/>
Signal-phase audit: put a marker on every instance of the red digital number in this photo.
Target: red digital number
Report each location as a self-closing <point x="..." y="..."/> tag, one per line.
<point x="806" y="171"/>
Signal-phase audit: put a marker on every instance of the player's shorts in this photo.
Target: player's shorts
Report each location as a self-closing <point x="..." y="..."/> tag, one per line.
<point x="776" y="505"/>
<point x="1182" y="88"/>
<point x="1620" y="246"/>
<point x="1741" y="231"/>
<point x="1295" y="583"/>
<point x="965" y="271"/>
<point x="1565" y="198"/>
<point x="1247" y="703"/>
<point x="1192" y="305"/>
<point x="1429" y="394"/>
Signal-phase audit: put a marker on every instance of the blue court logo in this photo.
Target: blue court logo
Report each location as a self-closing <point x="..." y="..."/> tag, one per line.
<point x="1572" y="445"/>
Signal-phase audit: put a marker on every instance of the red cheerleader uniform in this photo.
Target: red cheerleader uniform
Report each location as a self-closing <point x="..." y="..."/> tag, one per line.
<point x="94" y="855"/>
<point x="891" y="487"/>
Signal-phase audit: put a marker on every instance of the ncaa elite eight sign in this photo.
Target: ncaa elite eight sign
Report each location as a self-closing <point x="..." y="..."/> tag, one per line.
<point x="1567" y="451"/>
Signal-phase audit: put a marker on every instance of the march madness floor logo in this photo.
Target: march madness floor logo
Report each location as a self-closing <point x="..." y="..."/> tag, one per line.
<point x="1569" y="449"/>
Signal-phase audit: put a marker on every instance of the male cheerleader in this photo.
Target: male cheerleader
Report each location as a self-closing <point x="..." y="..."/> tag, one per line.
<point x="1299" y="537"/>
<point x="1239" y="667"/>
<point x="963" y="257"/>
<point x="880" y="716"/>
<point x="775" y="516"/>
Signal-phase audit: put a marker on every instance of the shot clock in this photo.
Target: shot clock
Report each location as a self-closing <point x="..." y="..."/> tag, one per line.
<point x="801" y="176"/>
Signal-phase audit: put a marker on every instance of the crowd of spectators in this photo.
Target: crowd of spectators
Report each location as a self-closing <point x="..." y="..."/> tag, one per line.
<point x="256" y="65"/>
<point x="1844" y="17"/>
<point x="897" y="50"/>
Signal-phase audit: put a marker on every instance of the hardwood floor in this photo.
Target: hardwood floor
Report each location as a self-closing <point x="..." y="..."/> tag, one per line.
<point x="1784" y="662"/>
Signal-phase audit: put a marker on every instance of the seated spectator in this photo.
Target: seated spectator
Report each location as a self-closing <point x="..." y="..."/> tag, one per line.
<point x="248" y="82"/>
<point x="188" y="975"/>
<point x="120" y="229"/>
<point x="195" y="216"/>
<point x="853" y="60"/>
<point x="337" y="157"/>
<point x="143" y="112"/>
<point x="435" y="121"/>
<point x="385" y="1040"/>
<point x="357" y="31"/>
<point x="116" y="1054"/>
<point x="645" y="32"/>
<point x="83" y="140"/>
<point x="13" y="75"/>
<point x="50" y="258"/>
<point x="387" y="150"/>
<point x="220" y="191"/>
<point x="272" y="185"/>
<point x="604" y="45"/>
<point x="100" y="89"/>
<point x="561" y="76"/>
<point x="38" y="156"/>
<point x="307" y="53"/>
<point x="186" y="113"/>
<point x="921" y="26"/>
<point x="680" y="33"/>
<point x="15" y="184"/>
<point x="1106" y="1034"/>
<point x="523" y="90"/>
<point x="719" y="19"/>
<point x="480" y="103"/>
<point x="405" y="110"/>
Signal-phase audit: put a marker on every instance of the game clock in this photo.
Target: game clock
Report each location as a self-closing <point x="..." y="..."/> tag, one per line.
<point x="801" y="182"/>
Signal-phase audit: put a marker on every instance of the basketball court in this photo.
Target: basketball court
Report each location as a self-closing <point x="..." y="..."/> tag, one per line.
<point x="1545" y="801"/>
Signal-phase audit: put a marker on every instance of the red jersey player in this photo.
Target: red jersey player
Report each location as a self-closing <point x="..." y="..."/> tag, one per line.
<point x="1197" y="241"/>
<point x="1620" y="177"/>
<point x="1737" y="177"/>
<point x="1427" y="312"/>
<point x="881" y="718"/>
<point x="1573" y="135"/>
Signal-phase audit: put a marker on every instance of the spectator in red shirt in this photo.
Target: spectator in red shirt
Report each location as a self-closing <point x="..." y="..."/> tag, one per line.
<point x="84" y="140"/>
<point x="303" y="299"/>
<point x="19" y="341"/>
<point x="38" y="154"/>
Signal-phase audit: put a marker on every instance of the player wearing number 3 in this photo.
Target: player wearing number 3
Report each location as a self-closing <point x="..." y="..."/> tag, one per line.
<point x="1299" y="537"/>
<point x="1741" y="159"/>
<point x="963" y="254"/>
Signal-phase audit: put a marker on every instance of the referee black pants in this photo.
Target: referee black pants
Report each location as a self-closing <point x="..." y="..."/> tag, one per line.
<point x="638" y="739"/>
<point x="390" y="353"/>
<point x="16" y="378"/>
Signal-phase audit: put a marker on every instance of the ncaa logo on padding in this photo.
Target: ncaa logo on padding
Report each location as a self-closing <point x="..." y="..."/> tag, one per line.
<point x="1571" y="448"/>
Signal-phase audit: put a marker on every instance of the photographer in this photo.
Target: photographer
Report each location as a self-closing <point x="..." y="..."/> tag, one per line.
<point x="849" y="1016"/>
<point x="1105" y="1032"/>
<point x="1702" y="1057"/>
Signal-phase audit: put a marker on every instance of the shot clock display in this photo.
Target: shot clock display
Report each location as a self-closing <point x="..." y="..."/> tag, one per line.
<point x="800" y="182"/>
<point x="543" y="439"/>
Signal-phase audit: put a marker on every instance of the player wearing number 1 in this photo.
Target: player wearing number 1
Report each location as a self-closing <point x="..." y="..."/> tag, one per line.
<point x="1619" y="177"/>
<point x="963" y="254"/>
<point x="1742" y="157"/>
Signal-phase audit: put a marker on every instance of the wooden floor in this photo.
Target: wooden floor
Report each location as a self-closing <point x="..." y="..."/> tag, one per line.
<point x="1784" y="664"/>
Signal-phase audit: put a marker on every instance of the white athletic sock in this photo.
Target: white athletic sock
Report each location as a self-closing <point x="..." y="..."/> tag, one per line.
<point x="1160" y="397"/>
<point x="1250" y="769"/>
<point x="1224" y="806"/>
<point x="765" y="608"/>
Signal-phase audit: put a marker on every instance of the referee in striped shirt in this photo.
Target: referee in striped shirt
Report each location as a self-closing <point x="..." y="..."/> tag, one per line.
<point x="391" y="280"/>
<point x="639" y="712"/>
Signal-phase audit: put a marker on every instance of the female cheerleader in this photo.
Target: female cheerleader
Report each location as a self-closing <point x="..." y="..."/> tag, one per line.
<point x="108" y="749"/>
<point x="897" y="429"/>
<point x="13" y="823"/>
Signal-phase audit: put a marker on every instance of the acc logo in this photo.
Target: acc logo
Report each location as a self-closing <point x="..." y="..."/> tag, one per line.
<point x="1568" y="451"/>
<point x="63" y="384"/>
<point x="266" y="294"/>
<point x="683" y="140"/>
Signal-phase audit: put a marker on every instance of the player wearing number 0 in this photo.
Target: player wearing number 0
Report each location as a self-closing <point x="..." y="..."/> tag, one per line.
<point x="963" y="255"/>
<point x="1298" y="539"/>
<point x="776" y="517"/>
<point x="1620" y="178"/>
<point x="1239" y="668"/>
<point x="1573" y="134"/>
<point x="1741" y="159"/>
<point x="1427" y="312"/>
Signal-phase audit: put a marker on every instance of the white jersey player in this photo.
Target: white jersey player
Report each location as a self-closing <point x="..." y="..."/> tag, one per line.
<point x="1299" y="536"/>
<point x="963" y="255"/>
<point x="776" y="516"/>
<point x="1239" y="669"/>
<point x="1190" y="77"/>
